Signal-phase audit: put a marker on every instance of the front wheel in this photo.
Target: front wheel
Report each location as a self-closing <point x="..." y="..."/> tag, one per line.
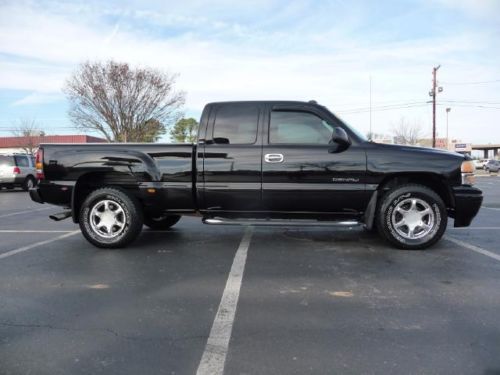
<point x="412" y="217"/>
<point x="110" y="218"/>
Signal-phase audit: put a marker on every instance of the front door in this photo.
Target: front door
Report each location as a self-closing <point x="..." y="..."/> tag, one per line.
<point x="304" y="173"/>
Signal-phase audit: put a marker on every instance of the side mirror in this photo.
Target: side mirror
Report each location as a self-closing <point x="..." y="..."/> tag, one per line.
<point x="340" y="140"/>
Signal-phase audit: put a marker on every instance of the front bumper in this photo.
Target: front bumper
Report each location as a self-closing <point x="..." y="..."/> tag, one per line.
<point x="468" y="201"/>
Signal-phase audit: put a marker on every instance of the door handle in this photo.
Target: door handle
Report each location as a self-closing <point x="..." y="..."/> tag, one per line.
<point x="273" y="158"/>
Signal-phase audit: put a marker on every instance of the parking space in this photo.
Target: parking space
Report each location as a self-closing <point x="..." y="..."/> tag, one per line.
<point x="309" y="301"/>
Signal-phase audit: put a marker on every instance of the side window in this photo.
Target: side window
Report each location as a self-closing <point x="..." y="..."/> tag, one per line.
<point x="298" y="128"/>
<point x="236" y="125"/>
<point x="22" y="161"/>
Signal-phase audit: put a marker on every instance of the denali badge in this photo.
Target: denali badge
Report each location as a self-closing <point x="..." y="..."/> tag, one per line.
<point x="348" y="179"/>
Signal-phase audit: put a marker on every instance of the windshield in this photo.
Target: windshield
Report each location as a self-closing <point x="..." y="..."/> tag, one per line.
<point x="357" y="133"/>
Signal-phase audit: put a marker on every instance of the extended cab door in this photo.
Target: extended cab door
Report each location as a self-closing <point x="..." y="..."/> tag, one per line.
<point x="303" y="172"/>
<point x="232" y="152"/>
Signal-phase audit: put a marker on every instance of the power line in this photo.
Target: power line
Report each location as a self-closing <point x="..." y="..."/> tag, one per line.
<point x="382" y="108"/>
<point x="472" y="106"/>
<point x="469" y="101"/>
<point x="472" y="83"/>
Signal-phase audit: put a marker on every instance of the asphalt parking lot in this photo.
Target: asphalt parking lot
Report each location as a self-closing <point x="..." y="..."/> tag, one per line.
<point x="308" y="301"/>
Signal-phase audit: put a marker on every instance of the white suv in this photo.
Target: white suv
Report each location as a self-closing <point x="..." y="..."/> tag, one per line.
<point x="17" y="170"/>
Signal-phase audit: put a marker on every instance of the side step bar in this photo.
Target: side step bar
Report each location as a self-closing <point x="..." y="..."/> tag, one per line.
<point x="281" y="223"/>
<point x="60" y="216"/>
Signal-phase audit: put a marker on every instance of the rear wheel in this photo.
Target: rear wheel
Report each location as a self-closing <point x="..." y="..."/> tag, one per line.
<point x="161" y="222"/>
<point x="29" y="183"/>
<point x="110" y="218"/>
<point x="412" y="217"/>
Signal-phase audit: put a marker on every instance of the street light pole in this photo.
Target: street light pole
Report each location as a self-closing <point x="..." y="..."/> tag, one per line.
<point x="447" y="139"/>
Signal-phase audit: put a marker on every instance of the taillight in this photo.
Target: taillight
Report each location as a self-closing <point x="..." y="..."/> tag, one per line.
<point x="17" y="170"/>
<point x="39" y="164"/>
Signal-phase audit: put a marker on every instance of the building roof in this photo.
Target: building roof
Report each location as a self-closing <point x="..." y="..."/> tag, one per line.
<point x="12" y="142"/>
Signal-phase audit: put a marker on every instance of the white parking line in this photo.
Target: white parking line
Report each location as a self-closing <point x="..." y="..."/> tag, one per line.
<point x="475" y="248"/>
<point x="36" y="244"/>
<point x="34" y="231"/>
<point x="476" y="228"/>
<point x="26" y="211"/>
<point x="492" y="208"/>
<point x="214" y="356"/>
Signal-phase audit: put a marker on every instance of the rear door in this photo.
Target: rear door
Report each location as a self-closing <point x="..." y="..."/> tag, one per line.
<point x="23" y="163"/>
<point x="232" y="153"/>
<point x="303" y="172"/>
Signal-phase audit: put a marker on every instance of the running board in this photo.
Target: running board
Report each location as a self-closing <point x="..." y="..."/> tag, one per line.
<point x="281" y="223"/>
<point x="60" y="216"/>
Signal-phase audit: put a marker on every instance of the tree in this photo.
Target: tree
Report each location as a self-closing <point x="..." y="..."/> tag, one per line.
<point x="122" y="103"/>
<point x="406" y="133"/>
<point x="185" y="130"/>
<point x="30" y="133"/>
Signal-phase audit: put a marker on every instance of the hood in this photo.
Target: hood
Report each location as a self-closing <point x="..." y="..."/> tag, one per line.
<point x="421" y="150"/>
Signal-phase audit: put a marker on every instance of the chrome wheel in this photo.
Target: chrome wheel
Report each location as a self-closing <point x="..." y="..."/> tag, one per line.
<point x="107" y="219"/>
<point x="30" y="184"/>
<point x="413" y="218"/>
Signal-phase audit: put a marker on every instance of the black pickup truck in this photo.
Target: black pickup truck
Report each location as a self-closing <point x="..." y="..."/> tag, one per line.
<point x="260" y="163"/>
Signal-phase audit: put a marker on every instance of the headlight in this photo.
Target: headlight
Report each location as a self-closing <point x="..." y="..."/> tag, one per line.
<point x="468" y="169"/>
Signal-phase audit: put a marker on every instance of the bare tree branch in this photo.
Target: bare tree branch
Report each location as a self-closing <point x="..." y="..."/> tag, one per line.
<point x="121" y="103"/>
<point x="406" y="133"/>
<point x="30" y="132"/>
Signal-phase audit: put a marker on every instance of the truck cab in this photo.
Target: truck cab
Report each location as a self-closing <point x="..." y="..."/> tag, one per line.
<point x="279" y="158"/>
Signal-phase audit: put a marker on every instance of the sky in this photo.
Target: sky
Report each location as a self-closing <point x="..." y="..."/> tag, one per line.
<point x="267" y="49"/>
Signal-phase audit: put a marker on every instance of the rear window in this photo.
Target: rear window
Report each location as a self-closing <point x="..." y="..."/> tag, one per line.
<point x="22" y="161"/>
<point x="6" y="161"/>
<point x="236" y="125"/>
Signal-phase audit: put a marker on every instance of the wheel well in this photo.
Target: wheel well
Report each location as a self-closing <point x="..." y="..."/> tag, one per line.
<point x="433" y="181"/>
<point x="94" y="180"/>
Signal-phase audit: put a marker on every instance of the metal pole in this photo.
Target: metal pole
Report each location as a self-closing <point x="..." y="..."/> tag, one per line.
<point x="447" y="138"/>
<point x="371" y="134"/>
<point x="434" y="85"/>
<point x="433" y="93"/>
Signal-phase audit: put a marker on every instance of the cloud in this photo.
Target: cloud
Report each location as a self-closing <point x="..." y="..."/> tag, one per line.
<point x="37" y="98"/>
<point x="299" y="50"/>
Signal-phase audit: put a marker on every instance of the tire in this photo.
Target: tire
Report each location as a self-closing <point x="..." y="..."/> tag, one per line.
<point x="118" y="211"/>
<point x="162" y="222"/>
<point x="28" y="183"/>
<point x="407" y="203"/>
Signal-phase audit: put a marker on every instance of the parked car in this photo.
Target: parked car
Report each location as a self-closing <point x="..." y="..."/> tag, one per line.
<point x="480" y="163"/>
<point x="492" y="166"/>
<point x="17" y="170"/>
<point x="260" y="163"/>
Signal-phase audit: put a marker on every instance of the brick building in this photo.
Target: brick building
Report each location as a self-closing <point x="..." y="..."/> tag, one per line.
<point x="19" y="144"/>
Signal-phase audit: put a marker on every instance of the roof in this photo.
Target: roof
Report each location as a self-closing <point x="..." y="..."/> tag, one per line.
<point x="273" y="102"/>
<point x="12" y="142"/>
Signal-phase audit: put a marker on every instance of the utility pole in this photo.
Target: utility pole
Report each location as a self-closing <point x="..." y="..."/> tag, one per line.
<point x="433" y="93"/>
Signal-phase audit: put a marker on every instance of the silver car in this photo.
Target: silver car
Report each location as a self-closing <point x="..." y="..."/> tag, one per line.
<point x="17" y="170"/>
<point x="492" y="166"/>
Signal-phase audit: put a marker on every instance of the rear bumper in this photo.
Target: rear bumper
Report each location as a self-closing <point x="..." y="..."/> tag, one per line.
<point x="7" y="180"/>
<point x="468" y="201"/>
